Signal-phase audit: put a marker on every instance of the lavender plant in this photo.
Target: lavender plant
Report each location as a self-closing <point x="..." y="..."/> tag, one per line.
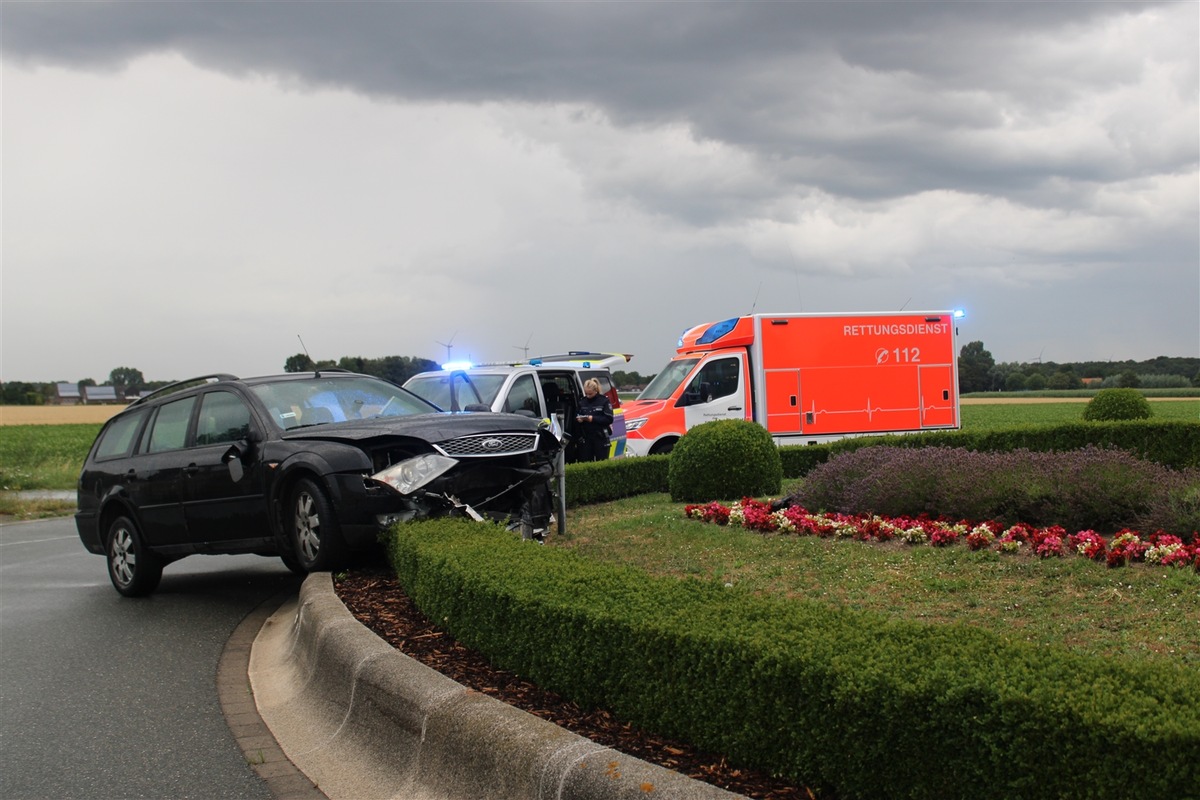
<point x="1102" y="489"/>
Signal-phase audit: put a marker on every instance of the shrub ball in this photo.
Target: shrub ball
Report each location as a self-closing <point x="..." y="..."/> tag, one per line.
<point x="725" y="459"/>
<point x="1117" y="404"/>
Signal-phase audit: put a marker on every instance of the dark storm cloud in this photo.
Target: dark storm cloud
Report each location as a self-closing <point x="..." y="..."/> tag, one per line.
<point x="1035" y="158"/>
<point x="776" y="79"/>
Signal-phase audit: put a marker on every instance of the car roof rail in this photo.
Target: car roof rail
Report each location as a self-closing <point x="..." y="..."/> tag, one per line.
<point x="317" y="372"/>
<point x="179" y="386"/>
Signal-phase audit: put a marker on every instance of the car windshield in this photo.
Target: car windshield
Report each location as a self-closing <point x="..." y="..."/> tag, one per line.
<point x="297" y="403"/>
<point x="667" y="381"/>
<point x="443" y="388"/>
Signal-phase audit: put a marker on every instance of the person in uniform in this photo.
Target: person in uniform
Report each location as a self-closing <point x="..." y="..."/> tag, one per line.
<point x="595" y="418"/>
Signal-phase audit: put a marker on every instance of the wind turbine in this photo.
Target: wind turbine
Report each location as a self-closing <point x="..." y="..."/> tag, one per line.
<point x="524" y="348"/>
<point x="449" y="346"/>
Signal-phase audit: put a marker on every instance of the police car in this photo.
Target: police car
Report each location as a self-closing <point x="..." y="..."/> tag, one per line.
<point x="546" y="387"/>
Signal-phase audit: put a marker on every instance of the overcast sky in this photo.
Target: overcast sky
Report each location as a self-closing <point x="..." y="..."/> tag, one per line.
<point x="193" y="187"/>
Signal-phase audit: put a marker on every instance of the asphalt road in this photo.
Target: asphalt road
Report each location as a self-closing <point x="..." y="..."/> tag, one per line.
<point x="106" y="697"/>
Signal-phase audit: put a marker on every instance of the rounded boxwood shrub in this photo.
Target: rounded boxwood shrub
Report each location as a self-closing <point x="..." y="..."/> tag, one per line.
<point x="1115" y="404"/>
<point x="726" y="459"/>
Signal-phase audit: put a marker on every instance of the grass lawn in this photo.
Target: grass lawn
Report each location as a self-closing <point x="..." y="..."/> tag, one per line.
<point x="1139" y="612"/>
<point x="991" y="416"/>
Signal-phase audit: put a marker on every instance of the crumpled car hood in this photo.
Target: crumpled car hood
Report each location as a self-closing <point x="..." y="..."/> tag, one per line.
<point x="429" y="427"/>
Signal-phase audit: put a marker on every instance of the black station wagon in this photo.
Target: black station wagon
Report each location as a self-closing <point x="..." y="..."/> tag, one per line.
<point x="304" y="466"/>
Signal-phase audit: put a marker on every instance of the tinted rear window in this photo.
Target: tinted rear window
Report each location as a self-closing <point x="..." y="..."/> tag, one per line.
<point x="117" y="439"/>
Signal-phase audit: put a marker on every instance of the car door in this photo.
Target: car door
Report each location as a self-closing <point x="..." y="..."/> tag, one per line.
<point x="218" y="507"/>
<point x="154" y="479"/>
<point x="716" y="391"/>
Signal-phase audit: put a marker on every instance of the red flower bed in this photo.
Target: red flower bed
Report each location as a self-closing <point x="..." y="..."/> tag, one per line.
<point x="1126" y="547"/>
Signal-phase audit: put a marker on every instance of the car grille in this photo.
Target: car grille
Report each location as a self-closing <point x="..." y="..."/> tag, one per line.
<point x="488" y="444"/>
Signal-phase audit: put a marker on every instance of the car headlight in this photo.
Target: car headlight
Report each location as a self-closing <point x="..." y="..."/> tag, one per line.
<point x="409" y="475"/>
<point x="634" y="424"/>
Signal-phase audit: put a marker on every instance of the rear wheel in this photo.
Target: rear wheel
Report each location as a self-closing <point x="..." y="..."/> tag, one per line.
<point x="316" y="538"/>
<point x="133" y="569"/>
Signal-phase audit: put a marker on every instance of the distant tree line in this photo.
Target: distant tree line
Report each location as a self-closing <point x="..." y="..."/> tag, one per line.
<point x="128" y="381"/>
<point x="396" y="369"/>
<point x="979" y="372"/>
<point x="622" y="378"/>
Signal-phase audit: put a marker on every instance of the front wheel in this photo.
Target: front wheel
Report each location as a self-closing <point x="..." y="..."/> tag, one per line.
<point x="134" y="570"/>
<point x="316" y="538"/>
<point x="663" y="448"/>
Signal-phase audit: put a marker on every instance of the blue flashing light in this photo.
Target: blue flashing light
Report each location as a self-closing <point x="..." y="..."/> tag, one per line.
<point x="453" y="365"/>
<point x="959" y="313"/>
<point x="535" y="362"/>
<point x="717" y="330"/>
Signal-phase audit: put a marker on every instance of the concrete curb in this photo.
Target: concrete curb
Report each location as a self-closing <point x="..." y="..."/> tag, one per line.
<point x="362" y="720"/>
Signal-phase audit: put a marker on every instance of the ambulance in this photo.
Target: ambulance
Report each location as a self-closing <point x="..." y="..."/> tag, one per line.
<point x="806" y="378"/>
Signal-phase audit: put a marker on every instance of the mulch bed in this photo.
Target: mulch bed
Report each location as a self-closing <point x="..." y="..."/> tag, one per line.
<point x="378" y="602"/>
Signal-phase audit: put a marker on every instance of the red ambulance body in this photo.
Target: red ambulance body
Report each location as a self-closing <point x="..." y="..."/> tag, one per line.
<point x="806" y="378"/>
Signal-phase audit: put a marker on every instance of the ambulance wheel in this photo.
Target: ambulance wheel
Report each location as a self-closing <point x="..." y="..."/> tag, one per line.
<point x="663" y="448"/>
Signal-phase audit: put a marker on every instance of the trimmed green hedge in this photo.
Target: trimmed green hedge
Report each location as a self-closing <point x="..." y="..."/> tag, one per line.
<point x="601" y="481"/>
<point x="1170" y="443"/>
<point x="854" y="703"/>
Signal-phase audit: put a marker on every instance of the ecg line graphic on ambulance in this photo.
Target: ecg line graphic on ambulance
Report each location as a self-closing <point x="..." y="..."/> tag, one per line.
<point x="870" y="410"/>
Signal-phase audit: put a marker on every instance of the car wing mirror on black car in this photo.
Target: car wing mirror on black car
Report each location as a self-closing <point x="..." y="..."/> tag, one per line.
<point x="237" y="452"/>
<point x="233" y="459"/>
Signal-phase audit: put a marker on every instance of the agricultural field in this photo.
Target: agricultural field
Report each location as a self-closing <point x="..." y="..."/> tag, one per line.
<point x="1006" y="413"/>
<point x="57" y="415"/>
<point x="43" y="456"/>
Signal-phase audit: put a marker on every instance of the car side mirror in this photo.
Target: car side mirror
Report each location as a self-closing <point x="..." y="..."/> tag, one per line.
<point x="233" y="460"/>
<point x="239" y="451"/>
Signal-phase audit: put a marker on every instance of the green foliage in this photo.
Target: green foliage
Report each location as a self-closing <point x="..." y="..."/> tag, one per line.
<point x="43" y="456"/>
<point x="724" y="460"/>
<point x="1064" y="379"/>
<point x="1087" y="489"/>
<point x="1172" y="443"/>
<point x="1015" y="382"/>
<point x="599" y="481"/>
<point x="1117" y="404"/>
<point x="17" y="393"/>
<point x="951" y="709"/>
<point x="974" y="368"/>
<point x="1128" y="380"/>
<point x="798" y="460"/>
<point x="300" y="362"/>
<point x="129" y="379"/>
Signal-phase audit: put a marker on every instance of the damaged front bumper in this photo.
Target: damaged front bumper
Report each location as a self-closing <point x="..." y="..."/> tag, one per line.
<point x="433" y="485"/>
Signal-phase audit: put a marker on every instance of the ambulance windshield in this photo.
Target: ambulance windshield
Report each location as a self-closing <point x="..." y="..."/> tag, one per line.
<point x="666" y="382"/>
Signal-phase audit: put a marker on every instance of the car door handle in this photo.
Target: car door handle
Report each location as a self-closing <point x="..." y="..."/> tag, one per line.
<point x="131" y="476"/>
<point x="734" y="408"/>
<point x="191" y="469"/>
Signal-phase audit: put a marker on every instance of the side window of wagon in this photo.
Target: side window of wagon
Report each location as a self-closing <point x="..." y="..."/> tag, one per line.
<point x="117" y="440"/>
<point x="169" y="428"/>
<point x="224" y="417"/>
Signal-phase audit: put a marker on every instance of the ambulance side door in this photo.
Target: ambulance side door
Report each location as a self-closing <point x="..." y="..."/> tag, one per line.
<point x="717" y="390"/>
